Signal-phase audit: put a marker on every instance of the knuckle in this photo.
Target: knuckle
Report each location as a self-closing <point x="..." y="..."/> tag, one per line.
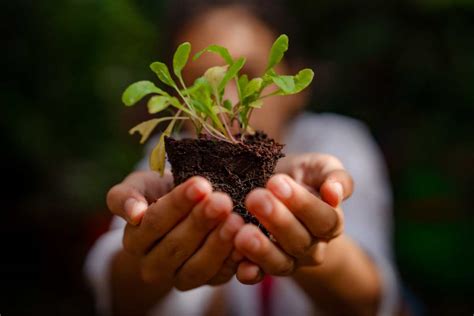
<point x="177" y="199"/>
<point x="174" y="249"/>
<point x="317" y="259"/>
<point x="302" y="205"/>
<point x="188" y="280"/>
<point x="317" y="255"/>
<point x="198" y="219"/>
<point x="153" y="219"/>
<point x="183" y="286"/>
<point x="299" y="250"/>
<point x="149" y="276"/>
<point x="328" y="225"/>
<point x="285" y="268"/>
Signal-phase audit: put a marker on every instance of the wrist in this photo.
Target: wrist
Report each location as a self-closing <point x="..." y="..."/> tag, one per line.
<point x="125" y="279"/>
<point x="334" y="261"/>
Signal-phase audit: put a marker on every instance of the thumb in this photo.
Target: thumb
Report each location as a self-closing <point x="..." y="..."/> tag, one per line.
<point x="131" y="198"/>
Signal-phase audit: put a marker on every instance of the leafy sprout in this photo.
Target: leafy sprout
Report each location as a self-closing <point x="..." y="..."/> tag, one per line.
<point x="203" y="102"/>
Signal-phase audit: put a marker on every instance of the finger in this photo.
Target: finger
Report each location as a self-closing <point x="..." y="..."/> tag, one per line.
<point x="131" y="197"/>
<point x="249" y="273"/>
<point x="165" y="214"/>
<point x="313" y="169"/>
<point x="291" y="235"/>
<point x="228" y="269"/>
<point x="337" y="187"/>
<point x="259" y="249"/>
<point x="208" y="260"/>
<point x="182" y="242"/>
<point x="319" y="217"/>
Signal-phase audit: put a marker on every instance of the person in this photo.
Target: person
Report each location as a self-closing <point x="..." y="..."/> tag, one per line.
<point x="181" y="250"/>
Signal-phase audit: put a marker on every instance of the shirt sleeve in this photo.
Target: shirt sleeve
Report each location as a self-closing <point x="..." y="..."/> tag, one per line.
<point x="368" y="212"/>
<point x="98" y="262"/>
<point x="99" y="259"/>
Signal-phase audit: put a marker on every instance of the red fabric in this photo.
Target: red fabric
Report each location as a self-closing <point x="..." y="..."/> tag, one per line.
<point x="265" y="295"/>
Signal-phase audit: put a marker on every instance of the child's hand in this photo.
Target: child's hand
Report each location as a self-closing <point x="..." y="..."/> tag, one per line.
<point x="185" y="238"/>
<point x="301" y="222"/>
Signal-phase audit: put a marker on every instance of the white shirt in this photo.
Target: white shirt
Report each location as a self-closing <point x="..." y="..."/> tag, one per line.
<point x="368" y="221"/>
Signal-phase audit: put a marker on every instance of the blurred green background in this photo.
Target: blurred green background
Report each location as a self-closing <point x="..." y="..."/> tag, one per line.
<point x="406" y="68"/>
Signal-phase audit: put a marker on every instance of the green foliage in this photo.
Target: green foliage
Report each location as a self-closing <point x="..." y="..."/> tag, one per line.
<point x="163" y="73"/>
<point x="222" y="51"/>
<point x="180" y="59"/>
<point x="203" y="102"/>
<point x="278" y="51"/>
<point x="136" y="91"/>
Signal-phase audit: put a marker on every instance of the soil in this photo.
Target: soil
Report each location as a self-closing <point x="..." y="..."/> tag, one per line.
<point x="235" y="169"/>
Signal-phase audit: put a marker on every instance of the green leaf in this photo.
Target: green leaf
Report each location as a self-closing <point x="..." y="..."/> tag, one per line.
<point x="303" y="79"/>
<point x="136" y="91"/>
<point x="243" y="81"/>
<point x="222" y="51"/>
<point x="215" y="75"/>
<point x="175" y="102"/>
<point x="252" y="87"/>
<point x="180" y="58"/>
<point x="268" y="78"/>
<point x="210" y="112"/>
<point x="196" y="86"/>
<point x="232" y="72"/>
<point x="285" y="83"/>
<point x="201" y="91"/>
<point x="244" y="115"/>
<point x="228" y="105"/>
<point x="257" y="104"/>
<point x="279" y="47"/>
<point x="158" y="103"/>
<point x="216" y="109"/>
<point x="163" y="73"/>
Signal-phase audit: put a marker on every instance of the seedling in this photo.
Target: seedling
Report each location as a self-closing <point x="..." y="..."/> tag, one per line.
<point x="203" y="102"/>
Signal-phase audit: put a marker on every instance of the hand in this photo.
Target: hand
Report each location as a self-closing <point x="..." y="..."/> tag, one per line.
<point x="300" y="221"/>
<point x="182" y="237"/>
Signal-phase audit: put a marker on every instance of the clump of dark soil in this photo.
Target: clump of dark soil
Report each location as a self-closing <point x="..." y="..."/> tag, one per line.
<point x="235" y="169"/>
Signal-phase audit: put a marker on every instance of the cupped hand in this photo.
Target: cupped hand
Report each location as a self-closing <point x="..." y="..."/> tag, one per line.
<point x="301" y="210"/>
<point x="182" y="236"/>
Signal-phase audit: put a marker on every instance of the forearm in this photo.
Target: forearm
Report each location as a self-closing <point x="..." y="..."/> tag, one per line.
<point x="130" y="295"/>
<point x="346" y="283"/>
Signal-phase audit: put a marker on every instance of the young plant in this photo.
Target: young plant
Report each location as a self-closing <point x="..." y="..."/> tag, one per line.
<point x="203" y="102"/>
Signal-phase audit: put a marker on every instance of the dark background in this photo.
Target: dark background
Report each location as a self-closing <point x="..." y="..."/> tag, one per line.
<point x="406" y="68"/>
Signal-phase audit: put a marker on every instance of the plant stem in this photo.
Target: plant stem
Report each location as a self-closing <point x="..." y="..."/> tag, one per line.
<point x="189" y="106"/>
<point x="211" y="130"/>
<point x="223" y="119"/>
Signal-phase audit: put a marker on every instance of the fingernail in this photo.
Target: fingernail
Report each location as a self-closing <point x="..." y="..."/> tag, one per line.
<point x="256" y="272"/>
<point x="216" y="206"/>
<point x="230" y="227"/>
<point x="337" y="187"/>
<point x="282" y="188"/>
<point x="134" y="209"/>
<point x="254" y="244"/>
<point x="196" y="190"/>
